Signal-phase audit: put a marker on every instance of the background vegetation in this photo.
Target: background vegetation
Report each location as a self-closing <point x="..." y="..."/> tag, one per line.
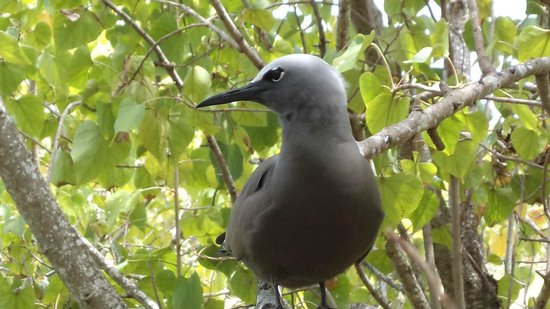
<point x="103" y="95"/>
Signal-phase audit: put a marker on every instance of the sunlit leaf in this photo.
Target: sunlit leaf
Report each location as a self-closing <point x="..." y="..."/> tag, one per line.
<point x="533" y="42"/>
<point x="188" y="292"/>
<point x="89" y="151"/>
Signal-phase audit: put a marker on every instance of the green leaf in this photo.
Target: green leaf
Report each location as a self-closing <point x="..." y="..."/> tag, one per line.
<point x="401" y="194"/>
<point x="439" y="39"/>
<point x="120" y="202"/>
<point x="385" y="110"/>
<point x="73" y="33"/>
<point x="10" y="51"/>
<point x="63" y="171"/>
<point x="29" y="114"/>
<point x="187" y="293"/>
<point x="49" y="70"/>
<point x="20" y="296"/>
<point x="89" y="151"/>
<point x="459" y="162"/>
<point x="425" y="211"/>
<point x="347" y="60"/>
<point x="505" y="34"/>
<point x="153" y="133"/>
<point x="11" y="75"/>
<point x="371" y="86"/>
<point x="259" y="18"/>
<point x="500" y="205"/>
<point x="243" y="285"/>
<point x="526" y="116"/>
<point x="233" y="158"/>
<point x="41" y="34"/>
<point x="181" y="129"/>
<point x="528" y="143"/>
<point x="130" y="115"/>
<point x="533" y="42"/>
<point x="421" y="56"/>
<point x="197" y="83"/>
<point x="504" y="284"/>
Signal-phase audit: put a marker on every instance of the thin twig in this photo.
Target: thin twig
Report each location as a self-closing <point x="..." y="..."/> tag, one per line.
<point x="370" y="288"/>
<point x="55" y="146"/>
<point x="380" y="275"/>
<point x="457" y="267"/>
<point x="224" y="169"/>
<point x="510" y="158"/>
<point x="302" y="36"/>
<point x="177" y="219"/>
<point x="483" y="60"/>
<point x="224" y="36"/>
<point x="319" y="22"/>
<point x="149" y="51"/>
<point x="514" y="101"/>
<point x="163" y="60"/>
<point x="251" y="53"/>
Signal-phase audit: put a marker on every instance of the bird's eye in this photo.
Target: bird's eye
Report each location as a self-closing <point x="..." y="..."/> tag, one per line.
<point x="274" y="75"/>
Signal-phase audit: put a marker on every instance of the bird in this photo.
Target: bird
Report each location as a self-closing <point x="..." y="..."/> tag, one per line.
<point x="308" y="213"/>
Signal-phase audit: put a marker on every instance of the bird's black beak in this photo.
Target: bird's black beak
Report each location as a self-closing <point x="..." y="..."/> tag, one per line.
<point x="250" y="92"/>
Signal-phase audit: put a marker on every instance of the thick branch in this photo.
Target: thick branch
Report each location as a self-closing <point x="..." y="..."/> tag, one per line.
<point x="458" y="279"/>
<point x="342" y="24"/>
<point x="453" y="101"/>
<point x="483" y="60"/>
<point x="405" y="273"/>
<point x="119" y="278"/>
<point x="544" y="91"/>
<point x="57" y="239"/>
<point x="236" y="34"/>
<point x="544" y="294"/>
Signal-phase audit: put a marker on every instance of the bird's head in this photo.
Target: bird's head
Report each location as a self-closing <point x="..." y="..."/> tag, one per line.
<point x="289" y="83"/>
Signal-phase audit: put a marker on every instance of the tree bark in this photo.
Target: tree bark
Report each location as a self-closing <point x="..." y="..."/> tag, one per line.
<point x="57" y="239"/>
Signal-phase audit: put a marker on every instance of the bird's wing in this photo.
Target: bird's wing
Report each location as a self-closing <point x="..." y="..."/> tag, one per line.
<point x="253" y="199"/>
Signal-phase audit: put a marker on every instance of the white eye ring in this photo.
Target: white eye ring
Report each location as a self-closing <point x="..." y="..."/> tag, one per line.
<point x="274" y="75"/>
<point x="276" y="79"/>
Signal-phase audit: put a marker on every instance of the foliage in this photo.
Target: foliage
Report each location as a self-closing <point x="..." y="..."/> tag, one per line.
<point x="133" y="139"/>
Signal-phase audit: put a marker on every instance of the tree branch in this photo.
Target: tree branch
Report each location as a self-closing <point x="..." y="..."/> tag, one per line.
<point x="236" y="34"/>
<point x="453" y="101"/>
<point x="119" y="277"/>
<point x="370" y="288"/>
<point x="405" y="273"/>
<point x="224" y="169"/>
<point x="457" y="267"/>
<point x="57" y="137"/>
<point x="342" y="24"/>
<point x="163" y="60"/>
<point x="544" y="91"/>
<point x="319" y="22"/>
<point x="224" y="36"/>
<point x="48" y="224"/>
<point x="482" y="59"/>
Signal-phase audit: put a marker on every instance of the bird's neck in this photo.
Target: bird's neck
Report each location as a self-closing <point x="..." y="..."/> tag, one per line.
<point x="316" y="127"/>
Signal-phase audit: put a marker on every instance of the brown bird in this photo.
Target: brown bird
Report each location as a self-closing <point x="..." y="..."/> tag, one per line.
<point x="309" y="213"/>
